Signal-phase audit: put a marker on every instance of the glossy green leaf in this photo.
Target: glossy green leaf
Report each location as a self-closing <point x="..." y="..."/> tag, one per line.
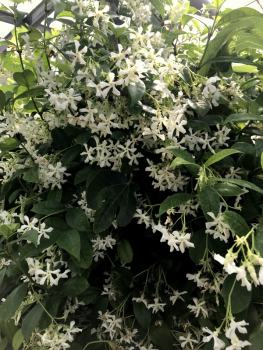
<point x="124" y="250"/>
<point x="77" y="219"/>
<point x="159" y="6"/>
<point x="30" y="322"/>
<point x="136" y="91"/>
<point x="70" y="241"/>
<point x="179" y="161"/>
<point x="228" y="190"/>
<point x="242" y="183"/>
<point x="259" y="239"/>
<point x="142" y="314"/>
<point x="55" y="195"/>
<point x="198" y="125"/>
<point x="17" y="340"/>
<point x="71" y="154"/>
<point x="26" y="78"/>
<point x="237" y="14"/>
<point x="33" y="92"/>
<point x="236" y="222"/>
<point x="82" y="175"/>
<point x="255" y="338"/>
<point x="160" y="335"/>
<point x="75" y="286"/>
<point x="220" y="155"/>
<point x="240" y="297"/>
<point x="242" y="118"/>
<point x="86" y="252"/>
<point x="245" y="148"/>
<point x="209" y="201"/>
<point x="188" y="157"/>
<point x="90" y="295"/>
<point x="173" y="201"/>
<point x="48" y="208"/>
<point x="13" y="301"/>
<point x="9" y="144"/>
<point x="30" y="235"/>
<point x="32" y="175"/>
<point x="244" y="68"/>
<point x="107" y="192"/>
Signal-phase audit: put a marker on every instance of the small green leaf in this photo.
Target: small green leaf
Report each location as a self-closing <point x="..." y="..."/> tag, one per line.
<point x="34" y="92"/>
<point x="142" y="314"/>
<point x="90" y="295"/>
<point x="186" y="156"/>
<point x="241" y="183"/>
<point x="32" y="175"/>
<point x="220" y="155"/>
<point x="30" y="235"/>
<point x="70" y="241"/>
<point x="124" y="250"/>
<point x="86" y="252"/>
<point x="18" y="339"/>
<point x="32" y="319"/>
<point x="136" y="91"/>
<point x="26" y="78"/>
<point x="158" y="5"/>
<point x="259" y="147"/>
<point x="209" y="201"/>
<point x="244" y="68"/>
<point x="228" y="190"/>
<point x="55" y="195"/>
<point x="5" y="231"/>
<point x="240" y="297"/>
<point x="198" y="125"/>
<point x="173" y="201"/>
<point x="9" y="144"/>
<point x="48" y="208"/>
<point x="13" y="301"/>
<point x="75" y="286"/>
<point x="160" y="335"/>
<point x="236" y="222"/>
<point x="259" y="240"/>
<point x="179" y="161"/>
<point x="242" y="118"/>
<point x="77" y="219"/>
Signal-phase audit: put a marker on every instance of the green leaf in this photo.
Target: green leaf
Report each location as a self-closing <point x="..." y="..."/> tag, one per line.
<point x="242" y="183"/>
<point x="200" y="107"/>
<point x="17" y="340"/>
<point x="161" y="336"/>
<point x="89" y="295"/>
<point x="198" y="125"/>
<point x="107" y="191"/>
<point x="244" y="68"/>
<point x="238" y="14"/>
<point x="240" y="297"/>
<point x="236" y="222"/>
<point x="13" y="301"/>
<point x="82" y="175"/>
<point x="179" y="161"/>
<point x="136" y="91"/>
<point x="2" y="98"/>
<point x="32" y="174"/>
<point x="30" y="322"/>
<point x="57" y="224"/>
<point x="173" y="201"/>
<point x="245" y="148"/>
<point x="30" y="235"/>
<point x="70" y="154"/>
<point x="75" y="286"/>
<point x="55" y="195"/>
<point x="48" y="208"/>
<point x="186" y="156"/>
<point x="228" y="190"/>
<point x="37" y="91"/>
<point x="199" y="240"/>
<point x="212" y="119"/>
<point x="77" y="219"/>
<point x="26" y="78"/>
<point x="86" y="252"/>
<point x="242" y="118"/>
<point x="158" y="5"/>
<point x="220" y="155"/>
<point x="255" y="338"/>
<point x="142" y="314"/>
<point x="9" y="144"/>
<point x="209" y="201"/>
<point x="69" y="240"/>
<point x="218" y="3"/>
<point x="5" y="231"/>
<point x="124" y="250"/>
<point x="259" y="239"/>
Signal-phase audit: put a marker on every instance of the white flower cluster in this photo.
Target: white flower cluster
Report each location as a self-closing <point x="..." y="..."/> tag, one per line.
<point x="100" y="245"/>
<point x="30" y="224"/>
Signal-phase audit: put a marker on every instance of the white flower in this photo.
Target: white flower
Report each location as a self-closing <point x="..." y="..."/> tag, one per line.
<point x="237" y="344"/>
<point x="218" y="343"/>
<point x="187" y="340"/>
<point x="77" y="55"/>
<point x="110" y="85"/>
<point x="198" y="307"/>
<point x="121" y="55"/>
<point x="30" y="224"/>
<point x="156" y="306"/>
<point x="221" y="230"/>
<point x="231" y="332"/>
<point x="143" y="218"/>
<point x="177" y="295"/>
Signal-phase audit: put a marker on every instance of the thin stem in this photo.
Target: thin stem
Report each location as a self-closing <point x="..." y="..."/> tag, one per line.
<point x="45" y="27"/>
